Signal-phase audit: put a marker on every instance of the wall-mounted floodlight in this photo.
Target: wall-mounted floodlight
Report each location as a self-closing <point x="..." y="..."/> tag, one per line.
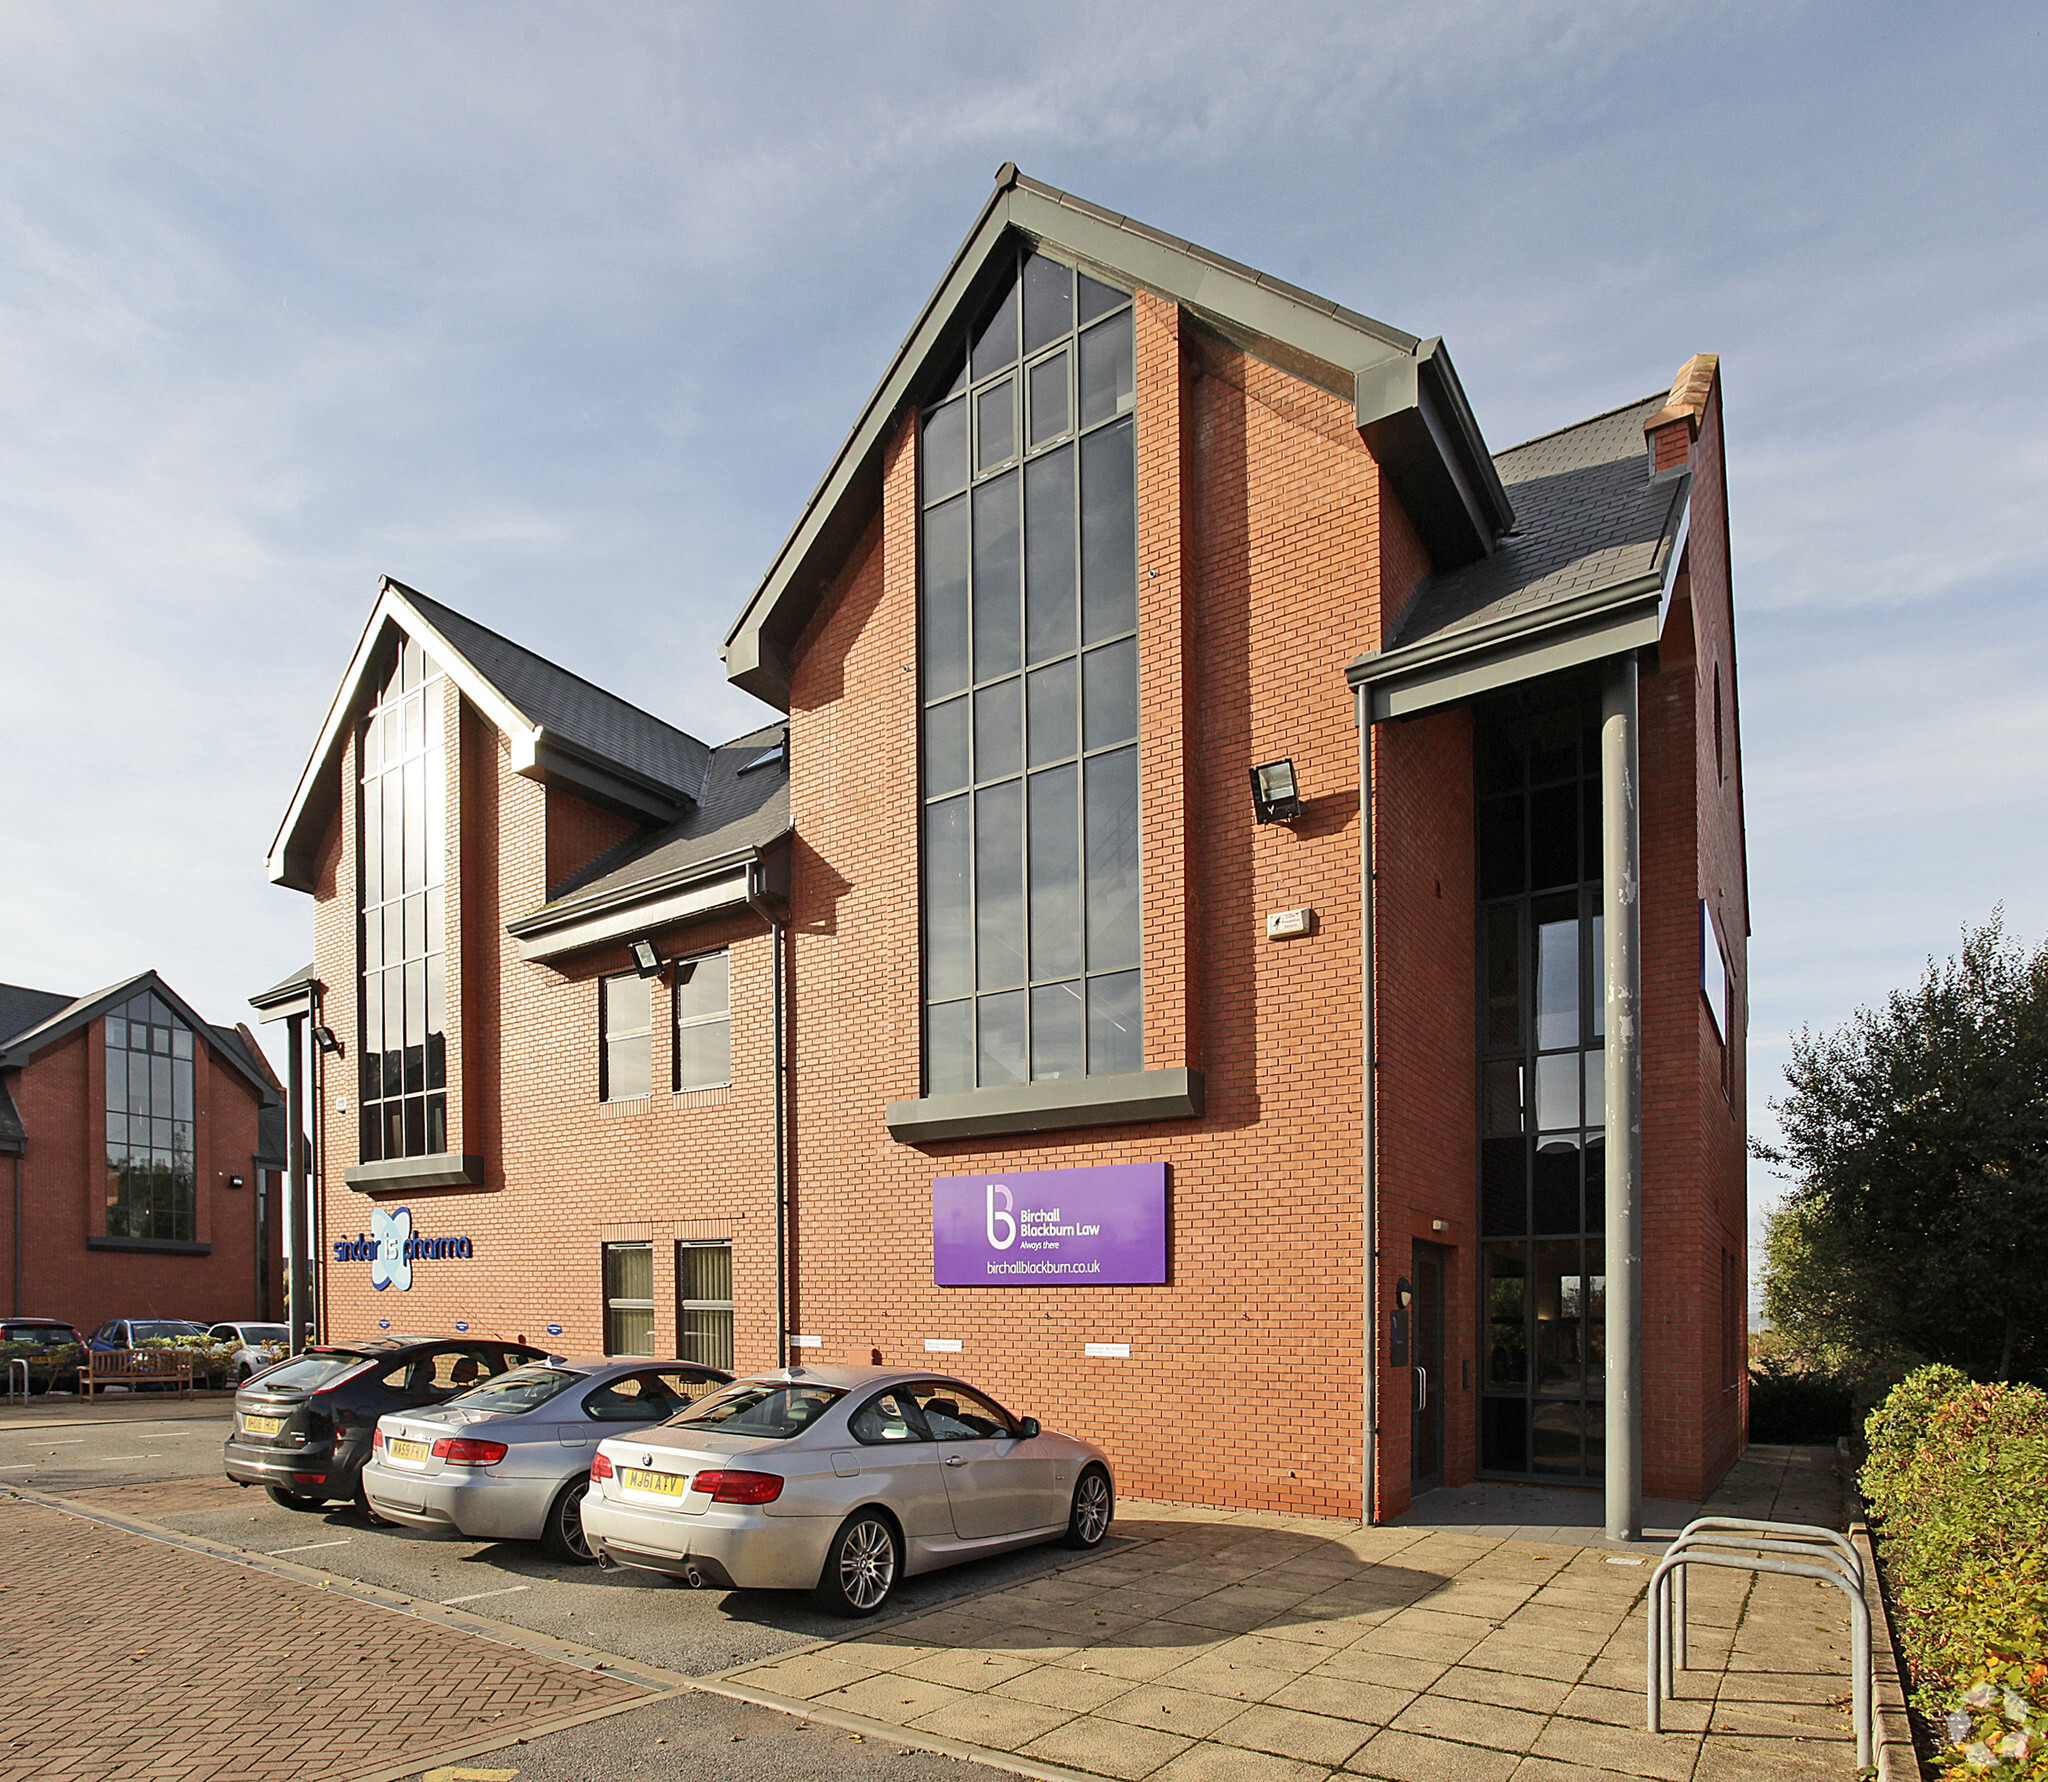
<point x="646" y="961"/>
<point x="323" y="1037"/>
<point x="1275" y="796"/>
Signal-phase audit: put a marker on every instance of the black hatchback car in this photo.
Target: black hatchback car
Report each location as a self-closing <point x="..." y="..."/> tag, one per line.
<point x="51" y="1348"/>
<point x="303" y="1428"/>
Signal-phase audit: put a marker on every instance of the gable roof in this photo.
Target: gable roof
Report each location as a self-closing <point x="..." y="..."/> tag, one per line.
<point x="1588" y="514"/>
<point x="745" y="808"/>
<point x="22" y="1008"/>
<point x="1586" y="571"/>
<point x="226" y="1043"/>
<point x="563" y="730"/>
<point x="1409" y="405"/>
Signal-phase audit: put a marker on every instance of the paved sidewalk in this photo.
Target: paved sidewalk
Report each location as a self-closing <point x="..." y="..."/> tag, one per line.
<point x="127" y="1659"/>
<point x="1247" y="1648"/>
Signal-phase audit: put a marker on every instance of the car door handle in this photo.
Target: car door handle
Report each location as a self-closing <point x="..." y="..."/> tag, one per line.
<point x="956" y="1460"/>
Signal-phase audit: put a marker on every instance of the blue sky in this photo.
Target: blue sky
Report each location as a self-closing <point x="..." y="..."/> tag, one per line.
<point x="557" y="312"/>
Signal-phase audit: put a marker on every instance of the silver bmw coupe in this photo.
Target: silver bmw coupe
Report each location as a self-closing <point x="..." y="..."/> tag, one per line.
<point x="839" y="1481"/>
<point x="510" y="1460"/>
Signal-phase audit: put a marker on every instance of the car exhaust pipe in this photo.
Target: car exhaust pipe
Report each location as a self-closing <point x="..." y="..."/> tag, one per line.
<point x="605" y="1562"/>
<point x="693" y="1577"/>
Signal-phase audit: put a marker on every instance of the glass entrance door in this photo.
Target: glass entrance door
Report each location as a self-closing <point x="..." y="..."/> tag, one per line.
<point x="1426" y="1439"/>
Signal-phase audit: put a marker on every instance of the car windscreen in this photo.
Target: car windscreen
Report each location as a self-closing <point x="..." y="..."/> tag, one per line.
<point x="521" y="1390"/>
<point x="311" y="1372"/>
<point x="146" y="1330"/>
<point x="753" y="1408"/>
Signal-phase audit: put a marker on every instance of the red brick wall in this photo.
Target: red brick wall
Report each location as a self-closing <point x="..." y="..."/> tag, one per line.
<point x="1258" y="569"/>
<point x="564" y="1172"/>
<point x="1426" y="920"/>
<point x="61" y="1095"/>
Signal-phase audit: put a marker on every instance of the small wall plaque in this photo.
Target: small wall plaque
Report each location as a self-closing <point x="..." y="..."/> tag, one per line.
<point x="942" y="1345"/>
<point x="806" y="1342"/>
<point x="1109" y="1351"/>
<point x="1286" y="924"/>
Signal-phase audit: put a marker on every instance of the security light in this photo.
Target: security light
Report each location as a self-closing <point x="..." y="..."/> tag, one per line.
<point x="323" y="1037"/>
<point x="1275" y="796"/>
<point x="646" y="961"/>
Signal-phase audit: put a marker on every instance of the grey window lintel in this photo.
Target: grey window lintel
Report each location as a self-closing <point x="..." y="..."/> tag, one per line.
<point x="396" y="1175"/>
<point x="1050" y="1106"/>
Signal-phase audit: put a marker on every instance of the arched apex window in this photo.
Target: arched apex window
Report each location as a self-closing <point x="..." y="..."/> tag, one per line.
<point x="1028" y="654"/>
<point x="150" y="1179"/>
<point x="402" y="853"/>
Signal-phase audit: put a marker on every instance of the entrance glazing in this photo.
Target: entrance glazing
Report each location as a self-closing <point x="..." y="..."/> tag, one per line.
<point x="1542" y="1102"/>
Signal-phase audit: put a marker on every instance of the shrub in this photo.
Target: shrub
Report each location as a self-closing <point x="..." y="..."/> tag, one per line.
<point x="1957" y="1483"/>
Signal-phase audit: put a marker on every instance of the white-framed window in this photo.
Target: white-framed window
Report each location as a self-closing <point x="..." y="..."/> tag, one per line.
<point x="702" y="1052"/>
<point x="626" y="1027"/>
<point x="704" y="1301"/>
<point x="1716" y="980"/>
<point x="629" y="1298"/>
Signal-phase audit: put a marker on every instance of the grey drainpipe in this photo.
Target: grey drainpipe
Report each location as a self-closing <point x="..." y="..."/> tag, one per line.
<point x="295" y="1193"/>
<point x="17" y="1234"/>
<point x="1621" y="969"/>
<point x="777" y="926"/>
<point x="1369" y="1104"/>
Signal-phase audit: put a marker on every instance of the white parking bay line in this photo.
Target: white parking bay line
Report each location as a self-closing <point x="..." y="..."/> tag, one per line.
<point x="449" y="1602"/>
<point x="309" y="1547"/>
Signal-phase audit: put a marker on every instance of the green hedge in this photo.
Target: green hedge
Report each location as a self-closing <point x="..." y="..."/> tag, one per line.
<point x="1957" y="1484"/>
<point x="1788" y="1403"/>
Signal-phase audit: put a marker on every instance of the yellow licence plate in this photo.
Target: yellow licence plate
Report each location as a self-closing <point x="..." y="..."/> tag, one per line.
<point x="262" y="1425"/>
<point x="668" y="1484"/>
<point x="399" y="1450"/>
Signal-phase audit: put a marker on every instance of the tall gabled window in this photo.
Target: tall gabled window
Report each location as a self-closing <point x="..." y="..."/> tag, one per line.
<point x="626" y="1014"/>
<point x="150" y="1183"/>
<point x="402" y="854"/>
<point x="1028" y="652"/>
<point x="702" y="1052"/>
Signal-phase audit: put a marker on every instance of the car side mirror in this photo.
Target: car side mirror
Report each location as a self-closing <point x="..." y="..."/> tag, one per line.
<point x="1027" y="1427"/>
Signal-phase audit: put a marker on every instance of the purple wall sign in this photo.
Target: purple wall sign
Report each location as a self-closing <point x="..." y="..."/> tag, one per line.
<point x="1097" y="1227"/>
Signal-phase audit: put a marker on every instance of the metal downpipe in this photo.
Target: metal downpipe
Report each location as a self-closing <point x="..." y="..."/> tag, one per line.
<point x="295" y="1195"/>
<point x="778" y="941"/>
<point x="1621" y="970"/>
<point x="1368" y="1108"/>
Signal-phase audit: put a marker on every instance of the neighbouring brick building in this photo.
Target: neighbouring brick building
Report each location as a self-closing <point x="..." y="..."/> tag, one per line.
<point x="140" y="1150"/>
<point x="1185" y="706"/>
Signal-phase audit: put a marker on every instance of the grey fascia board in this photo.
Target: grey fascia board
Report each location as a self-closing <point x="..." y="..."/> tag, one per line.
<point x="1237" y="300"/>
<point x="396" y="1175"/>
<point x="1052" y="1106"/>
<point x="300" y="1003"/>
<point x="707" y="897"/>
<point x="1493" y="657"/>
<point x="580" y="909"/>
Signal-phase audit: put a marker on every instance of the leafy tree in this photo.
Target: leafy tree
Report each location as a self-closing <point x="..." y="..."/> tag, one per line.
<point x="1916" y="1142"/>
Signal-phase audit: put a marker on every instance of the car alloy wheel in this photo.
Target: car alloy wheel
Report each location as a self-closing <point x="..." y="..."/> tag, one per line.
<point x="861" y="1567"/>
<point x="564" y="1537"/>
<point x="1094" y="1506"/>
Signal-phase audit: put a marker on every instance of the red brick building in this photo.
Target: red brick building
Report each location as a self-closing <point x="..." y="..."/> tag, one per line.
<point x="141" y="1147"/>
<point x="1185" y="706"/>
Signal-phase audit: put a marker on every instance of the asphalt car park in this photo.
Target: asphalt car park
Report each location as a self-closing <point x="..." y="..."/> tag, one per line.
<point x="634" y="1613"/>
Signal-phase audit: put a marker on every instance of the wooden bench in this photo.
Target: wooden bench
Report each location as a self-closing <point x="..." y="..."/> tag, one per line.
<point x="136" y="1367"/>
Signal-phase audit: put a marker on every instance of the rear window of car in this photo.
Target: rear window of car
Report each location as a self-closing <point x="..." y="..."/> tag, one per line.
<point x="755" y="1409"/>
<point x="41" y="1336"/>
<point x="155" y="1329"/>
<point x="311" y="1371"/>
<point x="522" y="1389"/>
<point x="264" y="1333"/>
